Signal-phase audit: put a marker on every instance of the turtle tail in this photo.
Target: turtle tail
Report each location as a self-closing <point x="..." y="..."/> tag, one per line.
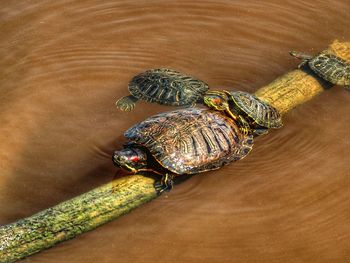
<point x="126" y="103"/>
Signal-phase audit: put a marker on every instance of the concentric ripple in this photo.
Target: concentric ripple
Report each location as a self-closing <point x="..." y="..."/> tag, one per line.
<point x="65" y="63"/>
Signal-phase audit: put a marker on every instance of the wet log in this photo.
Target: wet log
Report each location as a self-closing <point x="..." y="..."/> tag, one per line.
<point x="103" y="204"/>
<point x="73" y="217"/>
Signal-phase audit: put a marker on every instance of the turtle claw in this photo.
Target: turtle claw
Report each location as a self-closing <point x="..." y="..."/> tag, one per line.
<point x="126" y="103"/>
<point x="165" y="184"/>
<point x="302" y="64"/>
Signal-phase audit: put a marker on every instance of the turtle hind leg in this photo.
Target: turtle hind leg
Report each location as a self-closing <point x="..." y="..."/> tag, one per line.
<point x="165" y="184"/>
<point x="347" y="88"/>
<point x="126" y="103"/>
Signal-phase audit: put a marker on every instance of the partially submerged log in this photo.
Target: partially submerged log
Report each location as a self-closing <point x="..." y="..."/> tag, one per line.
<point x="103" y="204"/>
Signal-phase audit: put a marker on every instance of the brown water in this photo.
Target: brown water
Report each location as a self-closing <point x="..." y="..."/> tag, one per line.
<point x="63" y="65"/>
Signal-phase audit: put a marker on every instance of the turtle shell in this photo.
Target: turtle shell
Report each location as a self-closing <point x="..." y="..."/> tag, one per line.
<point x="191" y="140"/>
<point x="259" y="111"/>
<point x="168" y="87"/>
<point x="331" y="68"/>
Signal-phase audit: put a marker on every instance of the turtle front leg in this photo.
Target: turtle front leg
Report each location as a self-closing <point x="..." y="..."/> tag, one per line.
<point x="302" y="56"/>
<point x="347" y="88"/>
<point x="165" y="184"/>
<point x="126" y="103"/>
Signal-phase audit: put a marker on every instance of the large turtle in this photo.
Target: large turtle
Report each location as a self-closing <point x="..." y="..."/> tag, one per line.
<point x="327" y="66"/>
<point x="183" y="142"/>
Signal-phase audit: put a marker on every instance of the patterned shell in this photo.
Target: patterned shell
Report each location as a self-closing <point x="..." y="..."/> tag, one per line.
<point x="191" y="140"/>
<point x="168" y="87"/>
<point x="262" y="113"/>
<point x="331" y="68"/>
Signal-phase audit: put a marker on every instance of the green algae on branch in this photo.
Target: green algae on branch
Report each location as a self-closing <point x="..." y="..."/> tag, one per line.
<point x="297" y="87"/>
<point x="88" y="211"/>
<point x="73" y="217"/>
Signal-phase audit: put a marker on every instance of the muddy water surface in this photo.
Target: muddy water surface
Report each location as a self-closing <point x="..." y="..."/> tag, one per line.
<point x="63" y="65"/>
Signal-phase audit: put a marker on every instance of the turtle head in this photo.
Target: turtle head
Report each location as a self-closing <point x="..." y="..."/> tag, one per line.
<point x="130" y="159"/>
<point x="216" y="100"/>
<point x="300" y="55"/>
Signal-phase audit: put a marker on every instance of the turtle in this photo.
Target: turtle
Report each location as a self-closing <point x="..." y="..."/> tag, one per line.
<point x="186" y="141"/>
<point x="252" y="114"/>
<point x="163" y="86"/>
<point x="327" y="66"/>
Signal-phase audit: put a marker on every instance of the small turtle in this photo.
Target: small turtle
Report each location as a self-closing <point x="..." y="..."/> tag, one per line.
<point x="163" y="86"/>
<point x="182" y="142"/>
<point x="252" y="114"/>
<point x="327" y="66"/>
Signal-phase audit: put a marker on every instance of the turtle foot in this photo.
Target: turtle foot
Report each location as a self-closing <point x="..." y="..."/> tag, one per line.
<point x="165" y="184"/>
<point x="261" y="131"/>
<point x="126" y="103"/>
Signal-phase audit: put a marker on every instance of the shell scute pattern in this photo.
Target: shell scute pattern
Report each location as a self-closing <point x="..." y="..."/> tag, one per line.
<point x="191" y="140"/>
<point x="166" y="86"/>
<point x="262" y="113"/>
<point x="331" y="68"/>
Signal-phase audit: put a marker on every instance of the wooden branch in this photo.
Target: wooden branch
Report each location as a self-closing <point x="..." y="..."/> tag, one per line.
<point x="73" y="217"/>
<point x="92" y="209"/>
<point x="297" y="87"/>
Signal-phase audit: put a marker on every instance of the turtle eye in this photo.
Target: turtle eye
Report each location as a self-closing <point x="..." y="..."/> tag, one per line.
<point x="134" y="159"/>
<point x="217" y="100"/>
